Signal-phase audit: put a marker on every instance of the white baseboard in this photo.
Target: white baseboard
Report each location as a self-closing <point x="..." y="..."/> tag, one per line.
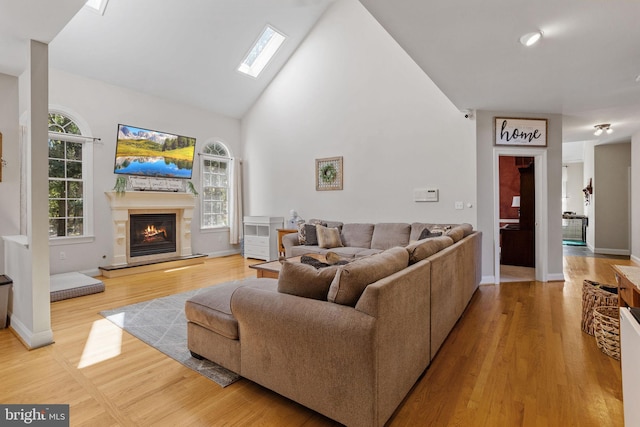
<point x="607" y="251"/>
<point x="558" y="277"/>
<point x="635" y="259"/>
<point x="488" y="280"/>
<point x="219" y="254"/>
<point x="29" y="338"/>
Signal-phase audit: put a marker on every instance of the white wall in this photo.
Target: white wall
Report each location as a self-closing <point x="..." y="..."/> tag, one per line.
<point x="589" y="211"/>
<point x="102" y="107"/>
<point x="10" y="185"/>
<point x="351" y="91"/>
<point x="485" y="179"/>
<point x="635" y="201"/>
<point x="611" y="186"/>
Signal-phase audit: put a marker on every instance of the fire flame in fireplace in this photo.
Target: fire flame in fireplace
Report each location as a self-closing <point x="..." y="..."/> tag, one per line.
<point x="153" y="234"/>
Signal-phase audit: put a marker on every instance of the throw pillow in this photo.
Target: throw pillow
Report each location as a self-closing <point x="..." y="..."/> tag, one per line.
<point x="423" y="249"/>
<point x="351" y="280"/>
<point x="467" y="228"/>
<point x="305" y="281"/>
<point x="328" y="237"/>
<point x="456" y="233"/>
<point x="311" y="235"/>
<point x="302" y="234"/>
<point x="426" y="234"/>
<point x="302" y="230"/>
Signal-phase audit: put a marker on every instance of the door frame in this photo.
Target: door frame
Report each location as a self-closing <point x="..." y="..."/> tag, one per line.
<point x="541" y="201"/>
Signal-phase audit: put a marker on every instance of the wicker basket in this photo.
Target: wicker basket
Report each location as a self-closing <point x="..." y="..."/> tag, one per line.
<point x="606" y="322"/>
<point x="594" y="296"/>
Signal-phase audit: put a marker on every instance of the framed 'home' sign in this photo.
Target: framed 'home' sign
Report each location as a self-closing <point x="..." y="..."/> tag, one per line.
<point x="521" y="132"/>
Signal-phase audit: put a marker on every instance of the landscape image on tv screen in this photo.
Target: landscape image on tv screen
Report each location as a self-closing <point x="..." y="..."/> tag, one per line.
<point x="145" y="152"/>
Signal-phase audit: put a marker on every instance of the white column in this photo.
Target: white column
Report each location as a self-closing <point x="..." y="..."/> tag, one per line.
<point x="27" y="257"/>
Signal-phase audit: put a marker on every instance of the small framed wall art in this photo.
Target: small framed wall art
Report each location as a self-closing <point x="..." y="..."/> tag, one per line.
<point x="329" y="174"/>
<point x="521" y="132"/>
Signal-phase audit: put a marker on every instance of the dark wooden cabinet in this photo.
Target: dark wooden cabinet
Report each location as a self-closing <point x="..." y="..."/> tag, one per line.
<point x="518" y="242"/>
<point x="517" y="247"/>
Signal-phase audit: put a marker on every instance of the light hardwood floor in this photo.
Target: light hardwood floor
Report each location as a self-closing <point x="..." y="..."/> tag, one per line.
<point x="516" y="358"/>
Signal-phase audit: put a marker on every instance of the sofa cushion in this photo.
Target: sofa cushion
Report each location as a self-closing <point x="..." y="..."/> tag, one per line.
<point x="467" y="228"/>
<point x="389" y="235"/>
<point x="328" y="237"/>
<point x="367" y="252"/>
<point x="212" y="308"/>
<point x="423" y="249"/>
<point x="342" y="251"/>
<point x="351" y="280"/>
<point x="456" y="233"/>
<point x="357" y="235"/>
<point x="305" y="280"/>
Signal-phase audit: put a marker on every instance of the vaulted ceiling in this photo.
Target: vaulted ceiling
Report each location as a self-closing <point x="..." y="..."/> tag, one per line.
<point x="585" y="67"/>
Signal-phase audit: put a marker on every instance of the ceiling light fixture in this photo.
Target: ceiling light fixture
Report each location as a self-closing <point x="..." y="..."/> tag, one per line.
<point x="605" y="127"/>
<point x="530" y="39"/>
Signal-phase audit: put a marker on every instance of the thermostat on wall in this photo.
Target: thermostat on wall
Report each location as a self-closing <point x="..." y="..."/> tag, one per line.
<point x="425" y="195"/>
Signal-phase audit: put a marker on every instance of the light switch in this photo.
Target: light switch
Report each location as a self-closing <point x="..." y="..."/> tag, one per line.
<point x="459" y="205"/>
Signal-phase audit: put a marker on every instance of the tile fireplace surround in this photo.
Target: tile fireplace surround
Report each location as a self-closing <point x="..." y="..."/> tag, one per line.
<point x="143" y="202"/>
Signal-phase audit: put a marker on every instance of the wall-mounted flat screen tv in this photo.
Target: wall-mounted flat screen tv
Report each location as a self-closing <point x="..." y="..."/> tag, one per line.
<point x="146" y="152"/>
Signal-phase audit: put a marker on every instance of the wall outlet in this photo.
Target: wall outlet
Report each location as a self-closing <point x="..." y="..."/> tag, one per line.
<point x="63" y="255"/>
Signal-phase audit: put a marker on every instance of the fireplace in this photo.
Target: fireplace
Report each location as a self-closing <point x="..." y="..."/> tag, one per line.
<point x="133" y="203"/>
<point x="151" y="234"/>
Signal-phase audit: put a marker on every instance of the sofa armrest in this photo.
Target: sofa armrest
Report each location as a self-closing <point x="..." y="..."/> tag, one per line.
<point x="319" y="354"/>
<point x="289" y="240"/>
<point x="402" y="303"/>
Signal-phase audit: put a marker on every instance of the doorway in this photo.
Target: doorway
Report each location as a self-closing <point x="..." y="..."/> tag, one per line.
<point x="526" y="245"/>
<point x="517" y="218"/>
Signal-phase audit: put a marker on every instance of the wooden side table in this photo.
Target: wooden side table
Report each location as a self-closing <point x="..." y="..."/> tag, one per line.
<point x="281" y="233"/>
<point x="628" y="280"/>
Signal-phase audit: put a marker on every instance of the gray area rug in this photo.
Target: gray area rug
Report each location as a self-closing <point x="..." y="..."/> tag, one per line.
<point x="162" y="324"/>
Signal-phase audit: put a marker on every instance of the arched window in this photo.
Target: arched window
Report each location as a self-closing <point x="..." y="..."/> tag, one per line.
<point x="216" y="176"/>
<point x="69" y="178"/>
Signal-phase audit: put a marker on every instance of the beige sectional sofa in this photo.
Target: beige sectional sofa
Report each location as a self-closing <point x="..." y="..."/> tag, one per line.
<point x="362" y="239"/>
<point x="354" y="354"/>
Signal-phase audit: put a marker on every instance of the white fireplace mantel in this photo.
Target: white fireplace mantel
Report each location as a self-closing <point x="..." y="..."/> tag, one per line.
<point x="124" y="204"/>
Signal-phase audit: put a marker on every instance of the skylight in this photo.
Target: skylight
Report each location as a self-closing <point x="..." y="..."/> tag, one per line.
<point x="262" y="51"/>
<point x="97" y="5"/>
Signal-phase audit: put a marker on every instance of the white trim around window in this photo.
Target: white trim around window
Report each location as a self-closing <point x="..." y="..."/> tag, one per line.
<point x="87" y="177"/>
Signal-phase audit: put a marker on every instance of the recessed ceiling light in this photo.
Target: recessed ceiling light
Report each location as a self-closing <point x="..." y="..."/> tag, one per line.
<point x="530" y="39"/>
<point x="262" y="51"/>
